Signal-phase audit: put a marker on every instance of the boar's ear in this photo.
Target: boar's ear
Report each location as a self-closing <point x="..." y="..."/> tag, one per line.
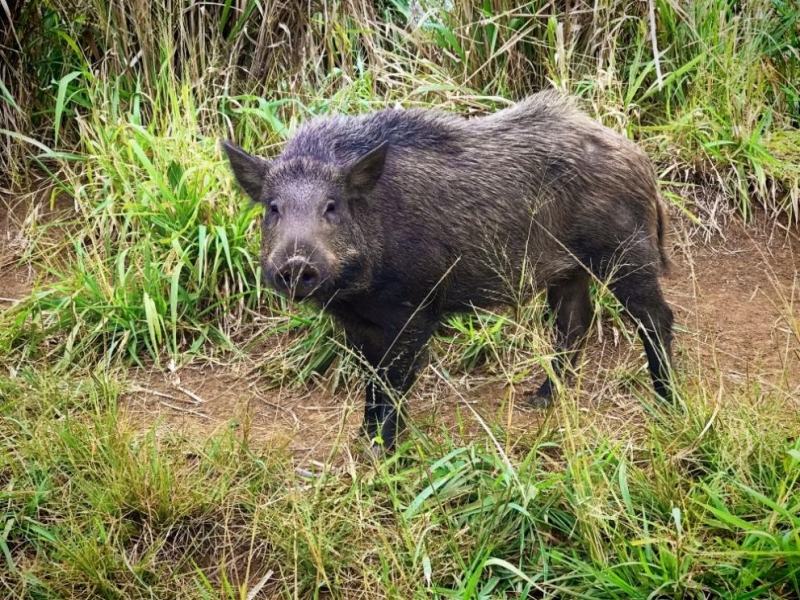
<point x="249" y="170"/>
<point x="366" y="170"/>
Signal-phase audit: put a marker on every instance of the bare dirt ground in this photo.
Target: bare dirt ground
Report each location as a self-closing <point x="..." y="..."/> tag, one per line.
<point x="737" y="305"/>
<point x="20" y="214"/>
<point x="15" y="281"/>
<point x="739" y="300"/>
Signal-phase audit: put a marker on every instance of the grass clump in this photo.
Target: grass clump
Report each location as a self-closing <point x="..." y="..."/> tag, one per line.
<point x="156" y="250"/>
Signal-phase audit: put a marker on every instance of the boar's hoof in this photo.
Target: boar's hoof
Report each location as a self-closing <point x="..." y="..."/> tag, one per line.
<point x="373" y="452"/>
<point x="543" y="397"/>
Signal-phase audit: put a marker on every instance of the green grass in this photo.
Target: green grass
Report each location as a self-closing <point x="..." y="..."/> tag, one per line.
<point x="703" y="505"/>
<point x="116" y="115"/>
<point x="160" y="250"/>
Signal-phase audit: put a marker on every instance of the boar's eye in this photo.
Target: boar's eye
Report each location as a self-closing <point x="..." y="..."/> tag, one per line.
<point x="330" y="208"/>
<point x="273" y="208"/>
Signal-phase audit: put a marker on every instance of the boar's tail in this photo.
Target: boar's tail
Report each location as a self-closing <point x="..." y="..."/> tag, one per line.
<point x="661" y="226"/>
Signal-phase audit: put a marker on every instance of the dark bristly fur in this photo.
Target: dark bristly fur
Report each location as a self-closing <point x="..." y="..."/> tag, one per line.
<point x="392" y="219"/>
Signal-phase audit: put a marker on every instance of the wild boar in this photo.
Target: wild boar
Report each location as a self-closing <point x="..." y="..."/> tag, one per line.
<point x="393" y="219"/>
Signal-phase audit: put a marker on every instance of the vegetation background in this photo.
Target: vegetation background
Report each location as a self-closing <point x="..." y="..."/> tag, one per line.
<point x="117" y="200"/>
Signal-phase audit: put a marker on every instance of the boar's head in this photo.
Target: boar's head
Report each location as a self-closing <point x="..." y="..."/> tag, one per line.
<point x="318" y="231"/>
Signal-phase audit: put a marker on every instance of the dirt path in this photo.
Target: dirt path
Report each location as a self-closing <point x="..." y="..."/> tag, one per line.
<point x="737" y="305"/>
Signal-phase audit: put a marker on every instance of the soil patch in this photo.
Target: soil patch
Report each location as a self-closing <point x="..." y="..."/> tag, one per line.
<point x="737" y="302"/>
<point x="15" y="281"/>
<point x="19" y="215"/>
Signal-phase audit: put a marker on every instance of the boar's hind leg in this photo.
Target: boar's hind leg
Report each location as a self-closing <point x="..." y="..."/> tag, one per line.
<point x="641" y="296"/>
<point x="569" y="300"/>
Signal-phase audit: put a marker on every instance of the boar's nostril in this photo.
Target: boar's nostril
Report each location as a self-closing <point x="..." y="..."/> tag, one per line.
<point x="283" y="279"/>
<point x="309" y="277"/>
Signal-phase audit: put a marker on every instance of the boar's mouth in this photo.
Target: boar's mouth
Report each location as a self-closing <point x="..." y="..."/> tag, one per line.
<point x="317" y="294"/>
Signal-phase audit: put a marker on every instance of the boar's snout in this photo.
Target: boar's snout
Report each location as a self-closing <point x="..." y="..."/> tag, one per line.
<point x="297" y="278"/>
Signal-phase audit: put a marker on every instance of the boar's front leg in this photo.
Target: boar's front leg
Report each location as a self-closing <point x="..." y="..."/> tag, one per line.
<point x="393" y="351"/>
